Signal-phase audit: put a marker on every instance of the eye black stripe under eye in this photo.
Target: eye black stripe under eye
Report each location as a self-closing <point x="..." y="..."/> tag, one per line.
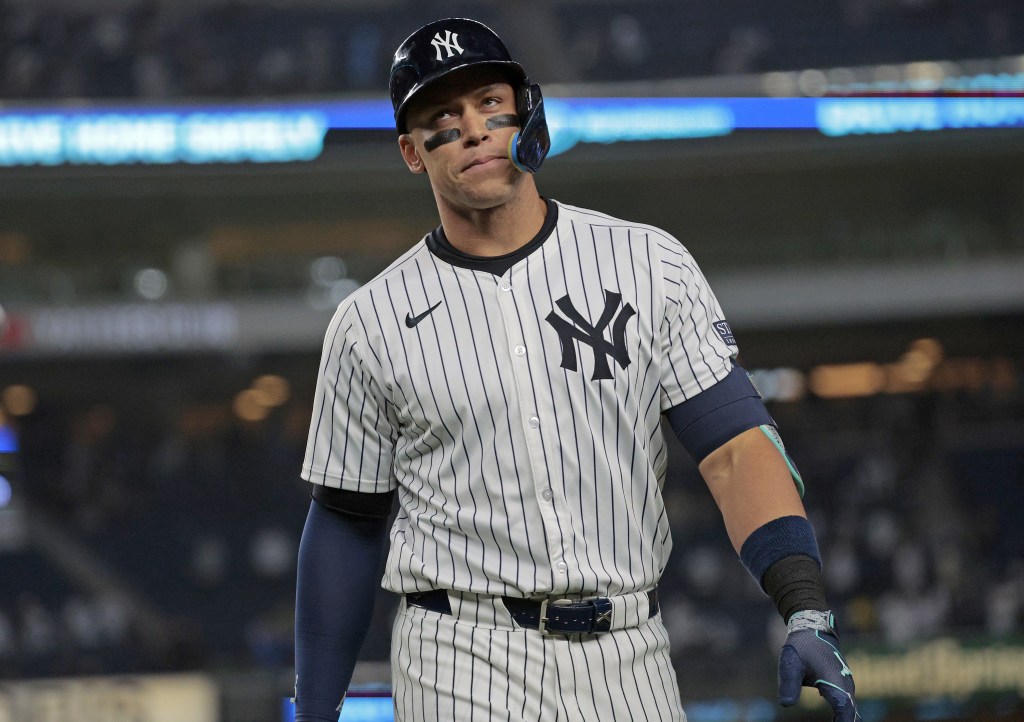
<point x="438" y="139"/>
<point x="502" y="121"/>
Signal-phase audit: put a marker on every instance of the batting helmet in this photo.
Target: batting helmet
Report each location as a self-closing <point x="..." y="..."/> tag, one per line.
<point x="444" y="46"/>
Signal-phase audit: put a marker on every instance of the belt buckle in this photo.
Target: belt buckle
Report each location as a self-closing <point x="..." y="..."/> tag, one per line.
<point x="542" y="623"/>
<point x="602" y="614"/>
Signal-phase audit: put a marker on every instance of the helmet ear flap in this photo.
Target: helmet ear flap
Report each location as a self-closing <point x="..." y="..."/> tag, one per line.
<point x="528" y="95"/>
<point x="529" y="146"/>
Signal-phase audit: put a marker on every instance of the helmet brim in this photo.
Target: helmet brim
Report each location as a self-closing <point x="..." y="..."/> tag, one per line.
<point x="514" y="69"/>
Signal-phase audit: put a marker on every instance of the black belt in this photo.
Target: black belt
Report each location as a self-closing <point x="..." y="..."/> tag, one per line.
<point x="560" y="617"/>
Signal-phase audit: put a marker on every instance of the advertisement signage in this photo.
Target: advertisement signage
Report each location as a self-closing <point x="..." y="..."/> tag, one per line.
<point x="170" y="698"/>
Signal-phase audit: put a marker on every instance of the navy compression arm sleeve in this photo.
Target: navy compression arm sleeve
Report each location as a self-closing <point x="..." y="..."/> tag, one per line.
<point x="338" y="567"/>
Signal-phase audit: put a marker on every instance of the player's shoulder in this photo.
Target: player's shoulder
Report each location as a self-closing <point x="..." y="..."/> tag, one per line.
<point x="403" y="263"/>
<point x="639" y="232"/>
<point x="361" y="300"/>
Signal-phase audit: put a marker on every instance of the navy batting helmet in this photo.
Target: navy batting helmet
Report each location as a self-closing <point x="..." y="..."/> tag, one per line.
<point x="444" y="46"/>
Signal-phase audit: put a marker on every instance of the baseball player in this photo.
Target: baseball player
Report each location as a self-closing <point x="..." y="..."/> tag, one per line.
<point x="506" y="379"/>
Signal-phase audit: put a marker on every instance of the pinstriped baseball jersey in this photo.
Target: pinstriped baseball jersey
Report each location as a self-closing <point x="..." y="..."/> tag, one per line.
<point x="518" y="415"/>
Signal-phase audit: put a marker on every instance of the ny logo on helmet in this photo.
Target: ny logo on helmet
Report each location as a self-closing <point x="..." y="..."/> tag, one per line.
<point x="593" y="334"/>
<point x="450" y="43"/>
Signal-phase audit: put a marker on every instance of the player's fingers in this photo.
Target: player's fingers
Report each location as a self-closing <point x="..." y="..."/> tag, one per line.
<point x="847" y="713"/>
<point x="791" y="676"/>
<point x="843" y="709"/>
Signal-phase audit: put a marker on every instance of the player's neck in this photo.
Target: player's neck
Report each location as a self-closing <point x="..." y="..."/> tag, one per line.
<point x="494" y="231"/>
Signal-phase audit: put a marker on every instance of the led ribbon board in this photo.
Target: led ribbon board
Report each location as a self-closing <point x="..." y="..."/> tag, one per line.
<point x="124" y="136"/>
<point x="289" y="132"/>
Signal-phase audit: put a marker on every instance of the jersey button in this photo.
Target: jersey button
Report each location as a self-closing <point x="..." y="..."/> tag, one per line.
<point x="505" y="286"/>
<point x="546" y="495"/>
<point x="534" y="422"/>
<point x="519" y="350"/>
<point x="562" y="567"/>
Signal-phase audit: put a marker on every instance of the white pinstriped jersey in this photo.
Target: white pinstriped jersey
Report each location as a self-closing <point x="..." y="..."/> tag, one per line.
<point x="520" y="418"/>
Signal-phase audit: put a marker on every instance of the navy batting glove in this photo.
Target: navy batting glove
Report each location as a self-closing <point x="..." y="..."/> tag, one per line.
<point x="811" y="658"/>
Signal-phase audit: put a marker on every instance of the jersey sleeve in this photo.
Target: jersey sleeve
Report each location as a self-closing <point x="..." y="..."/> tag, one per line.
<point x="351" y="437"/>
<point x="698" y="346"/>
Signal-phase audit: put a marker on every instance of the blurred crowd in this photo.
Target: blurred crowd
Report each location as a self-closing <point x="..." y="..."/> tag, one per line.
<point x="71" y="633"/>
<point x="915" y="499"/>
<point x="198" y="511"/>
<point x="157" y="49"/>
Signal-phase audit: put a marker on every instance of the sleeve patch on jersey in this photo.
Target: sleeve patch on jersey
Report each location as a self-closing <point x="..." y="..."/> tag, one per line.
<point x="724" y="332"/>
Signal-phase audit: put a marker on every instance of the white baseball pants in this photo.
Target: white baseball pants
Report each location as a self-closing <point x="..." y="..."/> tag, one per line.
<point x="477" y="665"/>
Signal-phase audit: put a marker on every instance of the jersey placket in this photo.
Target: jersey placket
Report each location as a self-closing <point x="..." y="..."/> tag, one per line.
<point x="511" y="286"/>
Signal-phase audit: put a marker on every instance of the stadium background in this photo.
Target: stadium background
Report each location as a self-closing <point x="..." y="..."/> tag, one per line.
<point x="162" y="317"/>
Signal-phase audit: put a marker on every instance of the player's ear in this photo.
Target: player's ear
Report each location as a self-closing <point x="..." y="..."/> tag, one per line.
<point x="409" y="154"/>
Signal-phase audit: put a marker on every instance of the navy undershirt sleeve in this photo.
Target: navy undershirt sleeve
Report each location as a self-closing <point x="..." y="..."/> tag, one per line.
<point x="338" y="574"/>
<point x="717" y="414"/>
<point x="354" y="503"/>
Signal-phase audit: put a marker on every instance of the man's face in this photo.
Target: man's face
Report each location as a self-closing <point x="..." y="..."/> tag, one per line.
<point x="459" y="132"/>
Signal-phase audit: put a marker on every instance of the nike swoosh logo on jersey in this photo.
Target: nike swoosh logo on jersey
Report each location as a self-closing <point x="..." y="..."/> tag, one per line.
<point x="411" y="320"/>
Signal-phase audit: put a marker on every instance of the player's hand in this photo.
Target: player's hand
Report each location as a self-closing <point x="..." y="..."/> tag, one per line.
<point x="811" y="657"/>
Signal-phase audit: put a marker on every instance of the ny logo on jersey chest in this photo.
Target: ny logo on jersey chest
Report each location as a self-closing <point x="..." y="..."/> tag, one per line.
<point x="580" y="329"/>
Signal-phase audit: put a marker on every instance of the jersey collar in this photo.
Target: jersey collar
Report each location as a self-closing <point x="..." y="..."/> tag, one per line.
<point x="439" y="245"/>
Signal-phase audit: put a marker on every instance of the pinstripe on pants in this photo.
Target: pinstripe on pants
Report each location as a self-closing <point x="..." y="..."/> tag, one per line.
<point x="476" y="664"/>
